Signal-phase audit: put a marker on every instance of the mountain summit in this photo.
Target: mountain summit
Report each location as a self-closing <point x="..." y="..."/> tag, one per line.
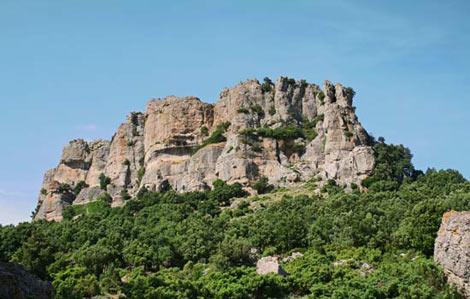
<point x="286" y="131"/>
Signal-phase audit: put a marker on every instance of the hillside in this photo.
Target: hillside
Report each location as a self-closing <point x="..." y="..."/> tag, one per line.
<point x="315" y="207"/>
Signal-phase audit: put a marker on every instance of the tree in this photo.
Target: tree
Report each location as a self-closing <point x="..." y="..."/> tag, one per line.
<point x="262" y="186"/>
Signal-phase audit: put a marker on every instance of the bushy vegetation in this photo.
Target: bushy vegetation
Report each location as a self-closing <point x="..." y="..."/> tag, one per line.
<point x="272" y="110"/>
<point x="192" y="245"/>
<point x="282" y="133"/>
<point x="262" y="186"/>
<point x="267" y="85"/>
<point x="78" y="187"/>
<point x="104" y="181"/>
<point x="243" y="110"/>
<point x="216" y="137"/>
<point x="258" y="110"/>
<point x="204" y="131"/>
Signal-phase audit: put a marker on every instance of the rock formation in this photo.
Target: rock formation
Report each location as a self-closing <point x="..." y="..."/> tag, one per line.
<point x="287" y="131"/>
<point x="452" y="249"/>
<point x="270" y="265"/>
<point x="17" y="283"/>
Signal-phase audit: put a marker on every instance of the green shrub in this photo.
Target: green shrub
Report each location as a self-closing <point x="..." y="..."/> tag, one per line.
<point x="331" y="188"/>
<point x="80" y="185"/>
<point x="165" y="187"/>
<point x="104" y="181"/>
<point x="140" y="174"/>
<point x="204" y="131"/>
<point x="319" y="117"/>
<point x="130" y="143"/>
<point x="256" y="147"/>
<point x="258" y="110"/>
<point x="321" y="97"/>
<point x="354" y="186"/>
<point x="64" y="188"/>
<point x="216" y="137"/>
<point x="43" y="191"/>
<point x="126" y="162"/>
<point x="106" y="198"/>
<point x="272" y="110"/>
<point x="247" y="132"/>
<point x="299" y="148"/>
<point x="291" y="81"/>
<point x="350" y="93"/>
<point x="266" y="86"/>
<point x="243" y="110"/>
<point x="310" y="134"/>
<point x="281" y="133"/>
<point x="311" y="184"/>
<point x="125" y="194"/>
<point x="262" y="186"/>
<point x="348" y="134"/>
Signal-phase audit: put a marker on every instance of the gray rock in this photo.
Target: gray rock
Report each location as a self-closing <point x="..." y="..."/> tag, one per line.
<point x="17" y="283"/>
<point x="293" y="256"/>
<point x="452" y="249"/>
<point x="270" y="265"/>
<point x="88" y="195"/>
<point x="55" y="202"/>
<point x="341" y="262"/>
<point x="366" y="269"/>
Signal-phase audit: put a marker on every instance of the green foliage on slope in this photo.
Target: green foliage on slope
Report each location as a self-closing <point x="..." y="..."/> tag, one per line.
<point x="192" y="245"/>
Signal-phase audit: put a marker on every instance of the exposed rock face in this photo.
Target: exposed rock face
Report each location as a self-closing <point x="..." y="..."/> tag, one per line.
<point x="55" y="201"/>
<point x="269" y="265"/>
<point x="17" y="283"/>
<point x="157" y="147"/>
<point x="452" y="249"/>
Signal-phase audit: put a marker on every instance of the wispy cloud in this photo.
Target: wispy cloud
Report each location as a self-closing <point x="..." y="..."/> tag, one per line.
<point x="88" y="127"/>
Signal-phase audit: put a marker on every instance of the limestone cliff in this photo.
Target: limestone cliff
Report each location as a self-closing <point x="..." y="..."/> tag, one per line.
<point x="452" y="249"/>
<point x="287" y="131"/>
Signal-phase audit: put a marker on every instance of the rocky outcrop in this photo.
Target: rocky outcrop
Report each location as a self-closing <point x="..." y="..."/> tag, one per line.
<point x="17" y="283"/>
<point x="288" y="131"/>
<point x="452" y="249"/>
<point x="270" y="265"/>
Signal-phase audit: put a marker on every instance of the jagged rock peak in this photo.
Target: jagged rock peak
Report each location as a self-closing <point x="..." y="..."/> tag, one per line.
<point x="286" y="130"/>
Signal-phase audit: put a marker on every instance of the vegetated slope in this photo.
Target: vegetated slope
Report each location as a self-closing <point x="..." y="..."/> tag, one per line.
<point x="371" y="244"/>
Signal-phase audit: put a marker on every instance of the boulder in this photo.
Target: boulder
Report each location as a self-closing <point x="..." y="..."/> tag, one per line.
<point x="293" y="256"/>
<point x="270" y="265"/>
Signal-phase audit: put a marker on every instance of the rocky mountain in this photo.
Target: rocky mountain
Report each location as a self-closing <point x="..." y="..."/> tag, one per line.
<point x="287" y="131"/>
<point x="452" y="249"/>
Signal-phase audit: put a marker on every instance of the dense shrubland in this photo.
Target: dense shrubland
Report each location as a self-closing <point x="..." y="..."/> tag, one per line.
<point x="169" y="245"/>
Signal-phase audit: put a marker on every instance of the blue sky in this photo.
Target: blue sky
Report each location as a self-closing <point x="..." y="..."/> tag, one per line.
<point x="74" y="69"/>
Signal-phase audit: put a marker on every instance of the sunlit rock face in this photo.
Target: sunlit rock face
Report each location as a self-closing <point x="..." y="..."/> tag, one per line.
<point x="163" y="145"/>
<point x="452" y="249"/>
